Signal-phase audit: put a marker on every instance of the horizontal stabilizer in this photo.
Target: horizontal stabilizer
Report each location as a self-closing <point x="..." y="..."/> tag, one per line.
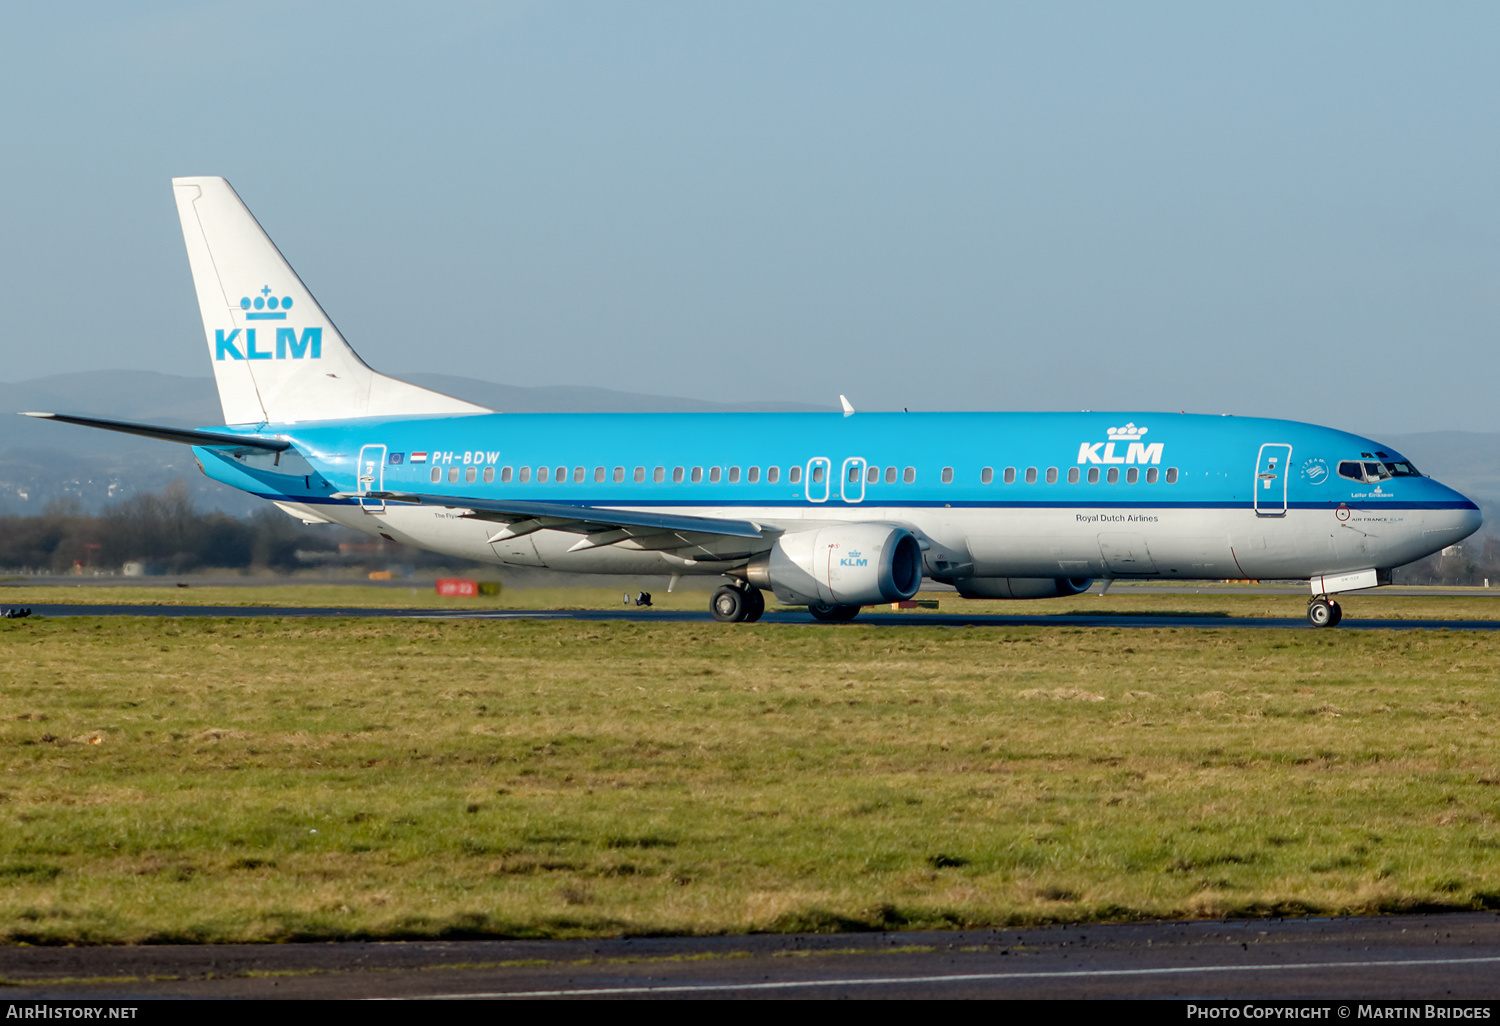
<point x="581" y="516"/>
<point x="167" y="434"/>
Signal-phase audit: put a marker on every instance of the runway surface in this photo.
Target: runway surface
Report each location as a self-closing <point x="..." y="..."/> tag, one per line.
<point x="1124" y="620"/>
<point x="1418" y="957"/>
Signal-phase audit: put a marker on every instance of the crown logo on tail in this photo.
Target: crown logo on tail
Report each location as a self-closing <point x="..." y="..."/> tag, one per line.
<point x="265" y="307"/>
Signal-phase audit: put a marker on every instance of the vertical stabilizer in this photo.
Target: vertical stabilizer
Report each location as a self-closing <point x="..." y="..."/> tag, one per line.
<point x="276" y="355"/>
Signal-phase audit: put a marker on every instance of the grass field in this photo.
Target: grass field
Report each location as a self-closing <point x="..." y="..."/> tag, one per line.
<point x="215" y="780"/>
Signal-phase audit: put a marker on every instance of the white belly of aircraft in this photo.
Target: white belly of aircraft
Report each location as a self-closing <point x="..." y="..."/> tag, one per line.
<point x="1009" y="542"/>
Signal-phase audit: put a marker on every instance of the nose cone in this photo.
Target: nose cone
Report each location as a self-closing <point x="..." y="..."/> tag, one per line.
<point x="1456" y="518"/>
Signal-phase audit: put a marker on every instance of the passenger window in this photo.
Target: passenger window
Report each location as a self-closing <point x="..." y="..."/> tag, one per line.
<point x="471" y="475"/>
<point x="1031" y="475"/>
<point x="1052" y="475"/>
<point x="854" y="473"/>
<point x="874" y="476"/>
<point x="909" y="475"/>
<point x="1171" y="475"/>
<point x="659" y="474"/>
<point x="947" y="475"/>
<point x="697" y="474"/>
<point x="817" y="474"/>
<point x="677" y="475"/>
<point x="752" y="475"/>
<point x="714" y="473"/>
<point x="437" y="474"/>
<point x="1132" y="475"/>
<point x="525" y="474"/>
<point x="987" y="475"/>
<point x="734" y="475"/>
<point x="640" y="474"/>
<point x="599" y="473"/>
<point x="562" y="475"/>
<point x="579" y="473"/>
<point x="772" y="473"/>
<point x="505" y="475"/>
<point x="794" y="475"/>
<point x="1073" y="475"/>
<point x="619" y="474"/>
<point x="1114" y="475"/>
<point x="542" y="473"/>
<point x="489" y="475"/>
<point x="453" y="475"/>
<point x="1010" y="475"/>
<point x="1093" y="475"/>
<point x="890" y="475"/>
<point x="1151" y="476"/>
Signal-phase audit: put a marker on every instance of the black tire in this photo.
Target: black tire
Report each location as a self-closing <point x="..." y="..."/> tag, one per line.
<point x="755" y="604"/>
<point x="1320" y="613"/>
<point x="832" y="613"/>
<point x="1338" y="613"/>
<point x="728" y="605"/>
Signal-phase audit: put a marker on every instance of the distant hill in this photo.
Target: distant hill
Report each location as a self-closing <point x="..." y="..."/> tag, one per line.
<point x="41" y="461"/>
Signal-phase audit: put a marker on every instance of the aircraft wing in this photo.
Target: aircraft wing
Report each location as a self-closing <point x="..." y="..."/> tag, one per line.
<point x="214" y="439"/>
<point x="600" y="525"/>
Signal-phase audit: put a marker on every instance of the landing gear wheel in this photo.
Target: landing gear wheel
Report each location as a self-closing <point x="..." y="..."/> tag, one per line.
<point x="755" y="604"/>
<point x="829" y="613"/>
<point x="1321" y="612"/>
<point x="1338" y="613"/>
<point x="729" y="605"/>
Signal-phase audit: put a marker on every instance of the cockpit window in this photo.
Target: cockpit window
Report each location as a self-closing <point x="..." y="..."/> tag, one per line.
<point x="1373" y="471"/>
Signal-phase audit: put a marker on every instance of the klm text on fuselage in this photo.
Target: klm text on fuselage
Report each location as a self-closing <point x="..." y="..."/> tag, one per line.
<point x="1138" y="452"/>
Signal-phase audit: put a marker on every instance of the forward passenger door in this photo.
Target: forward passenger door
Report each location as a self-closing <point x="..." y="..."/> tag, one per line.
<point x="1271" y="478"/>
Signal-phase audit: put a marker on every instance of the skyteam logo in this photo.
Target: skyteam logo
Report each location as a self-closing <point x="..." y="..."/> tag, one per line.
<point x="1130" y="437"/>
<point x="241" y="344"/>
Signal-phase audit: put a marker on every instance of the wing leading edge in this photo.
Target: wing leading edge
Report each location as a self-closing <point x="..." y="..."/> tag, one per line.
<point x="599" y="525"/>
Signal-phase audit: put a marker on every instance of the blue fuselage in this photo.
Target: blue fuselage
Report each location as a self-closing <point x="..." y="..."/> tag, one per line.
<point x="1019" y="494"/>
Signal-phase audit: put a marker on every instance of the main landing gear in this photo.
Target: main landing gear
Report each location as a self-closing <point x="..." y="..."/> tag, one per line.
<point x="831" y="613"/>
<point x="737" y="603"/>
<point x="1323" y="611"/>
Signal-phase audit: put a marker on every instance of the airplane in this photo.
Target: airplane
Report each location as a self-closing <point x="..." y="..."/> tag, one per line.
<point x="832" y="511"/>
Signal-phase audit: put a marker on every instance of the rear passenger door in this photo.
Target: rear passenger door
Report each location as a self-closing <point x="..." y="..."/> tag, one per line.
<point x="370" y="474"/>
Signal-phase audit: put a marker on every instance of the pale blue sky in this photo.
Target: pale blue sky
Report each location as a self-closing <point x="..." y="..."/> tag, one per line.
<point x="1272" y="209"/>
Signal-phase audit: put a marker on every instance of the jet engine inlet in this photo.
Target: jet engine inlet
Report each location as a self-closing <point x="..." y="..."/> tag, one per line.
<point x="848" y="565"/>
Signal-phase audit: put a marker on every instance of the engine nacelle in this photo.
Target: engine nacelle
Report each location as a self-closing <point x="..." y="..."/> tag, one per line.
<point x="1021" y="587"/>
<point x="846" y="565"/>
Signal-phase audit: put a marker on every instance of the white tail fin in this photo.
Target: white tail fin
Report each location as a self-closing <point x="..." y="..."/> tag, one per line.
<point x="276" y="355"/>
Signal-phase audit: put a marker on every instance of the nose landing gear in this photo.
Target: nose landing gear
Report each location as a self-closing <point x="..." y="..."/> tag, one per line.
<point x="1323" y="611"/>
<point x="737" y="603"/>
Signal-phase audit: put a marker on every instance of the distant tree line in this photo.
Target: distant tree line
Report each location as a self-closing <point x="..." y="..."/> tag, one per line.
<point x="1470" y="563"/>
<point x="167" y="534"/>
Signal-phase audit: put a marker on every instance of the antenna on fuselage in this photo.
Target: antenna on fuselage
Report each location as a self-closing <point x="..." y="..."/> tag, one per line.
<point x="848" y="410"/>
